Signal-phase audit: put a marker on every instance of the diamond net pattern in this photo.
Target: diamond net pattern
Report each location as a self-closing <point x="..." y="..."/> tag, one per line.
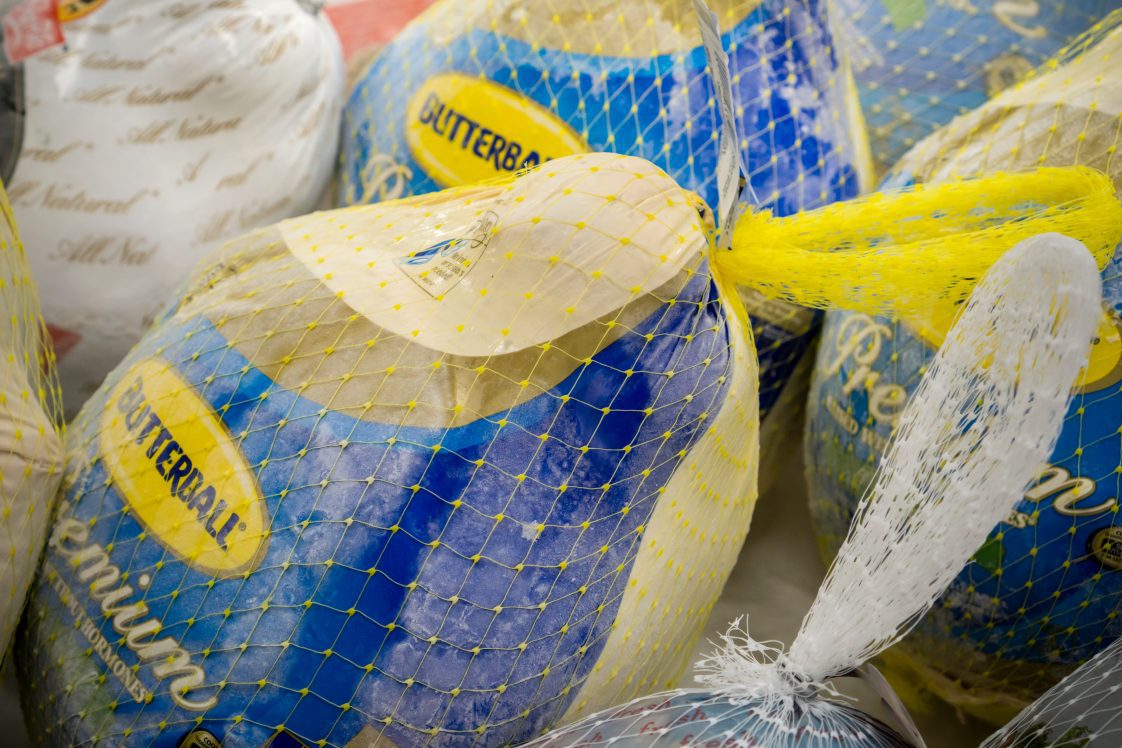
<point x="1045" y="592"/>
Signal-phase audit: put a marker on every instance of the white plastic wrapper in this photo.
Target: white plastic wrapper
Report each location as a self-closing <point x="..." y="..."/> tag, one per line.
<point x="161" y="129"/>
<point x="986" y="415"/>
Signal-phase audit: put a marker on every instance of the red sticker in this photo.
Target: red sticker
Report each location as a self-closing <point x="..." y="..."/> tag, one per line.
<point x="364" y="23"/>
<point x="31" y="27"/>
<point x="63" y="340"/>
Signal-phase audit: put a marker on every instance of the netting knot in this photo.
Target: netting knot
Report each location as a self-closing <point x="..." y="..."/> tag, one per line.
<point x="745" y="669"/>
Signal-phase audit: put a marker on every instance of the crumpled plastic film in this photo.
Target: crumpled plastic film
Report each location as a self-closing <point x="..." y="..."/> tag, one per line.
<point x="476" y="89"/>
<point x="988" y="411"/>
<point x="30" y="428"/>
<point x="160" y="130"/>
<point x="1084" y="710"/>
<point x="1045" y="593"/>
<point x="918" y="64"/>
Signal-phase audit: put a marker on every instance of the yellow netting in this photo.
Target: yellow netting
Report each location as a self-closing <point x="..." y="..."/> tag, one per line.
<point x="920" y="63"/>
<point x="903" y="252"/>
<point x="1045" y="593"/>
<point x="475" y="89"/>
<point x="439" y="470"/>
<point x="30" y="425"/>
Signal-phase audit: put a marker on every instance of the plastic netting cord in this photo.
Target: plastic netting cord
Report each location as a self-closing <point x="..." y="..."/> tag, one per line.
<point x="906" y="251"/>
<point x="30" y="427"/>
<point x="1043" y="594"/>
<point x="1083" y="711"/>
<point x="987" y="413"/>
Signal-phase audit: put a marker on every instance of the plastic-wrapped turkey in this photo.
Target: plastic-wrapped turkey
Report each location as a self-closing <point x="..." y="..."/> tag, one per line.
<point x="986" y="414"/>
<point x="30" y="413"/>
<point x="159" y="130"/>
<point x="444" y="470"/>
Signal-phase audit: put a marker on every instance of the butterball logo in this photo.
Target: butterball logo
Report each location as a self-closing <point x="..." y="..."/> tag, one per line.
<point x="462" y="129"/>
<point x="181" y="473"/>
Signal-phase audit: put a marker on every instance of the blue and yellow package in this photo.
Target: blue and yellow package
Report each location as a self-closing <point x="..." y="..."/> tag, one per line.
<point x="443" y="470"/>
<point x="1045" y="593"/>
<point x="920" y="63"/>
<point x="989" y="411"/>
<point x="480" y="88"/>
<point x="438" y="471"/>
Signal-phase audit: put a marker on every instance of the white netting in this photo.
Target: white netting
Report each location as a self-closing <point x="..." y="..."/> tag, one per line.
<point x="985" y="416"/>
<point x="1082" y="711"/>
<point x="989" y="408"/>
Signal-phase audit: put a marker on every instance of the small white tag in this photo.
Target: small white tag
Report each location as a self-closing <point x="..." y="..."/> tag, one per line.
<point x="439" y="268"/>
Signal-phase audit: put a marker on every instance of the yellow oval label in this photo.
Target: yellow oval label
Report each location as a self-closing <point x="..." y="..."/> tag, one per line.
<point x="181" y="473"/>
<point x="462" y="129"/>
<point x="72" y="10"/>
<point x="1103" y="369"/>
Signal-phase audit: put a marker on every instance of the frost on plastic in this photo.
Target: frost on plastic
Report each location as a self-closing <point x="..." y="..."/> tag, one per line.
<point x="986" y="414"/>
<point x="1083" y="711"/>
<point x="30" y="425"/>
<point x="160" y="130"/>
<point x="1044" y="593"/>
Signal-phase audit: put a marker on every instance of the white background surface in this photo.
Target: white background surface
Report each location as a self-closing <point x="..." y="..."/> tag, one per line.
<point x="774" y="584"/>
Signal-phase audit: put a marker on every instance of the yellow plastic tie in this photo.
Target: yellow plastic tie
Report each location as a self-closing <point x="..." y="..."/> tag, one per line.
<point x="907" y="252"/>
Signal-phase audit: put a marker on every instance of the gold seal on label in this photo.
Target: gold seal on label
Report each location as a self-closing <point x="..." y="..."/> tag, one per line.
<point x="200" y="739"/>
<point x="1106" y="544"/>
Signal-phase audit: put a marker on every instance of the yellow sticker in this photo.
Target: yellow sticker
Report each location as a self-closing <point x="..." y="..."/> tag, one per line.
<point x="72" y="10"/>
<point x="462" y="129"/>
<point x="181" y="473"/>
<point x="1103" y="369"/>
